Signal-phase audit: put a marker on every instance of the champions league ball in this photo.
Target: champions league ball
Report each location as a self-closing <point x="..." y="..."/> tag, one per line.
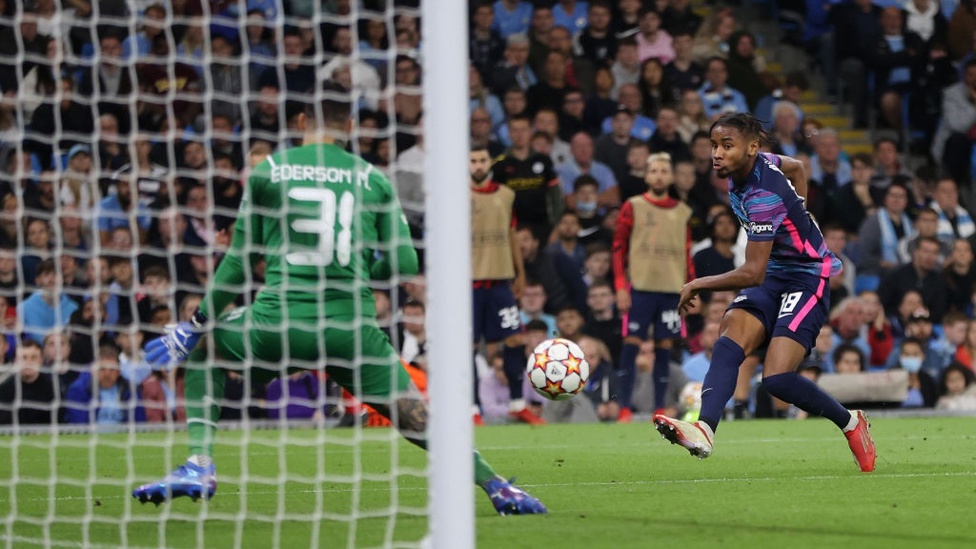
<point x="557" y="369"/>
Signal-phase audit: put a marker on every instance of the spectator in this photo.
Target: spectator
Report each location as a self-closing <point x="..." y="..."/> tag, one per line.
<point x="493" y="393"/>
<point x="539" y="265"/>
<point x="926" y="226"/>
<point x="696" y="366"/>
<point x="626" y="68"/>
<point x="848" y="359"/>
<point x="547" y="122"/>
<point x="481" y="133"/>
<point x="511" y="17"/>
<point x="485" y="43"/>
<point x="880" y="235"/>
<point x="719" y="257"/>
<point x="924" y="18"/>
<point x="887" y="164"/>
<point x="577" y="71"/>
<point x="967" y="351"/>
<point x="599" y="105"/>
<point x="852" y="203"/>
<point x="552" y="87"/>
<point x="848" y="321"/>
<point x="112" y="80"/>
<point x="943" y="350"/>
<point x="962" y="26"/>
<point x="821" y="356"/>
<point x="596" y="266"/>
<point x="680" y="17"/>
<point x="532" y="306"/>
<point x="879" y="334"/>
<point x="909" y="303"/>
<point x="296" y="396"/>
<point x="683" y="73"/>
<point x="626" y="23"/>
<point x="572" y="118"/>
<point x="162" y="396"/>
<point x="717" y="96"/>
<point x="513" y="71"/>
<point x="829" y="167"/>
<point x="585" y="202"/>
<point x="633" y="183"/>
<point x="47" y="308"/>
<point x="538" y="195"/>
<point x="652" y="40"/>
<point x="602" y="321"/>
<point x="414" y="334"/>
<point x="692" y="119"/>
<point x="841" y="284"/>
<point x="956" y="389"/>
<point x="786" y="129"/>
<point x="132" y="358"/>
<point x="960" y="275"/>
<point x="666" y="137"/>
<point x="745" y="67"/>
<point x="27" y="397"/>
<point x="596" y="42"/>
<point x="894" y="57"/>
<point x="953" y="141"/>
<point x="481" y="97"/>
<point x="857" y="27"/>
<point x="655" y="92"/>
<point x="67" y="119"/>
<point x="791" y="91"/>
<point x="300" y="78"/>
<point x="954" y="221"/>
<point x="570" y="15"/>
<point x="103" y="396"/>
<point x="921" y="274"/>
<point x="922" y="390"/>
<point x="712" y="39"/>
<point x="158" y="77"/>
<point x="140" y="45"/>
<point x="630" y="98"/>
<point x="582" y="162"/>
<point x="611" y="148"/>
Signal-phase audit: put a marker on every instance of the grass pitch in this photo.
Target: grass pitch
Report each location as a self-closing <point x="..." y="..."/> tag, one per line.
<point x="769" y="484"/>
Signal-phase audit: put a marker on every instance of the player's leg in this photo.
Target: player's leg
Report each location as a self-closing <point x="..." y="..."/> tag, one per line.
<point x="385" y="385"/>
<point x="743" y="330"/>
<point x="478" y="299"/>
<point x="204" y="389"/>
<point x="635" y="327"/>
<point x="503" y="324"/>
<point x="743" y="386"/>
<point x="795" y="332"/>
<point x="667" y="330"/>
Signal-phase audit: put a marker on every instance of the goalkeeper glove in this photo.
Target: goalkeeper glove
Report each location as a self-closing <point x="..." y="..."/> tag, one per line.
<point x="173" y="348"/>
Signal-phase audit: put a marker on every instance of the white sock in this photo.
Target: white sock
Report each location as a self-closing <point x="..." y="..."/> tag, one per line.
<point x="516" y="405"/>
<point x="852" y="424"/>
<point x="201" y="461"/>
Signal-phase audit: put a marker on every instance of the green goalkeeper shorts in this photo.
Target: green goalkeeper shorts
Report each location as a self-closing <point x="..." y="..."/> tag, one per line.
<point x="355" y="353"/>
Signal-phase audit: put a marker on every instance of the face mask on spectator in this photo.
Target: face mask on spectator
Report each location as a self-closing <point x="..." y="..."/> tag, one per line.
<point x="911" y="364"/>
<point x="586" y="207"/>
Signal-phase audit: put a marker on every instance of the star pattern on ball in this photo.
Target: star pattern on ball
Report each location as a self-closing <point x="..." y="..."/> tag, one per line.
<point x="572" y="365"/>
<point x="553" y="388"/>
<point x="541" y="360"/>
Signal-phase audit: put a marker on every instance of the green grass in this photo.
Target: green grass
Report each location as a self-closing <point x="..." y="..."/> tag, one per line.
<point x="768" y="484"/>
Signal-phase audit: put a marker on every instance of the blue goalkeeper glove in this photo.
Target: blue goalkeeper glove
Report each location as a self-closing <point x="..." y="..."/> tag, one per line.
<point x="173" y="348"/>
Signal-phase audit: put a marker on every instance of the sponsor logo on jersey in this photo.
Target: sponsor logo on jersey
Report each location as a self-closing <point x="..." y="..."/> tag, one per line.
<point x="760" y="228"/>
<point x="740" y="299"/>
<point x="537" y="167"/>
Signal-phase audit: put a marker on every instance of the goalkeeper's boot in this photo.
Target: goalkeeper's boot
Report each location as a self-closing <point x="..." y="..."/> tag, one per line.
<point x="691" y="436"/>
<point x="188" y="480"/>
<point x="859" y="439"/>
<point x="509" y="499"/>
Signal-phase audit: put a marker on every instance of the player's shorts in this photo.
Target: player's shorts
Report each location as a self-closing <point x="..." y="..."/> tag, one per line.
<point x="657" y="310"/>
<point x="496" y="315"/>
<point x="794" y="306"/>
<point x="354" y="352"/>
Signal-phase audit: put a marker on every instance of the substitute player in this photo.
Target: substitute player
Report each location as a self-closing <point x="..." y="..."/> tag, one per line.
<point x="499" y="277"/>
<point x="784" y="299"/>
<point x="651" y="262"/>
<point x="326" y="223"/>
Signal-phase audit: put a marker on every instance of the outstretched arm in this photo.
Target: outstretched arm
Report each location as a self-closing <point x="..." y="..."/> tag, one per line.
<point x="751" y="273"/>
<point x="794" y="171"/>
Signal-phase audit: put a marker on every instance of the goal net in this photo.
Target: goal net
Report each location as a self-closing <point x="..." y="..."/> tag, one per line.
<point x="127" y="129"/>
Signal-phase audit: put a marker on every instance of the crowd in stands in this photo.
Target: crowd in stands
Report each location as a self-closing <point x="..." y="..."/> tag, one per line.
<point x="125" y="140"/>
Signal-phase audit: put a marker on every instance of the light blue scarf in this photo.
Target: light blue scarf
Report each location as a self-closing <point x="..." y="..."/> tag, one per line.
<point x="889" y="240"/>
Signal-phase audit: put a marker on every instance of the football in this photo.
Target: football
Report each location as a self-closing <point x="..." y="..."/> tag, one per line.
<point x="557" y="369"/>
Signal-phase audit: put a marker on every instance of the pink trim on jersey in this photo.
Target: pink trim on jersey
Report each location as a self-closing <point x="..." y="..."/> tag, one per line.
<point x="808" y="306"/>
<point x="794" y="234"/>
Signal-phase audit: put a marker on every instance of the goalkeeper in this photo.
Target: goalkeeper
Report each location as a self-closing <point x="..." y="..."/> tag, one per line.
<point x="326" y="222"/>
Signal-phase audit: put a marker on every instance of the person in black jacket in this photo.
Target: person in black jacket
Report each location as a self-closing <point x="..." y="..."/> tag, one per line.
<point x="28" y="396"/>
<point x="856" y="26"/>
<point x="895" y="57"/>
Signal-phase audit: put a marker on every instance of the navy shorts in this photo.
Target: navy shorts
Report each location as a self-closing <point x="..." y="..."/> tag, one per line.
<point x="655" y="310"/>
<point x="496" y="315"/>
<point x="794" y="306"/>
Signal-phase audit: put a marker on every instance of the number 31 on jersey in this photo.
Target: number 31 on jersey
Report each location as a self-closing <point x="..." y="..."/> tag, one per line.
<point x="334" y="245"/>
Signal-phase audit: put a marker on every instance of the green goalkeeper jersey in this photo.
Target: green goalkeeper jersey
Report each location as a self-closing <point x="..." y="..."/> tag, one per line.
<point x="326" y="222"/>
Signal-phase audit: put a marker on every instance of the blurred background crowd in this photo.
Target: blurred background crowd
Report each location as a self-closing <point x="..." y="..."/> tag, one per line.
<point x="126" y="128"/>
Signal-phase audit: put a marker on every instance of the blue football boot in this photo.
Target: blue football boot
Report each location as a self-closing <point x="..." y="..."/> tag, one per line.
<point x="187" y="480"/>
<point x="509" y="499"/>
